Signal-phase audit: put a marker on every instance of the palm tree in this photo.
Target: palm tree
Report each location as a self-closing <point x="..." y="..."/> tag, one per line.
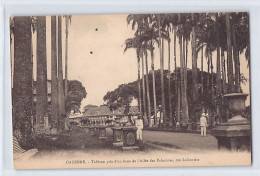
<point x="161" y="48"/>
<point x="240" y="36"/>
<point x="201" y="76"/>
<point x="194" y="61"/>
<point x="41" y="89"/>
<point x="223" y="68"/>
<point x="229" y="55"/>
<point x="143" y="86"/>
<point x="22" y="77"/>
<point x="61" y="101"/>
<point x="218" y="78"/>
<point x="148" y="91"/>
<point x="181" y="65"/>
<point x="154" y="90"/>
<point x="183" y="32"/>
<point x="169" y="81"/>
<point x="177" y="90"/>
<point x="67" y="20"/>
<point x="54" y="80"/>
<point x="133" y="43"/>
<point x="137" y="43"/>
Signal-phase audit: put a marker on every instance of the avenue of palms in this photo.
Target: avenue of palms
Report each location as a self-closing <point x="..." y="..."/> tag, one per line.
<point x="220" y="35"/>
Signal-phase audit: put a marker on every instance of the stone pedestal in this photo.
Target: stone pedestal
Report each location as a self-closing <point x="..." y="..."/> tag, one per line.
<point x="129" y="136"/>
<point x="117" y="136"/>
<point x="101" y="132"/>
<point x="235" y="134"/>
<point x="92" y="130"/>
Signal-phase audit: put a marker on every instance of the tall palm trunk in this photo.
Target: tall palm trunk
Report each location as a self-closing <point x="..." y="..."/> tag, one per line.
<point x="181" y="78"/>
<point x="143" y="85"/>
<point x="201" y="77"/>
<point x="223" y="66"/>
<point x="41" y="103"/>
<point x="169" y="81"/>
<point x="161" y="45"/>
<point x="139" y="85"/>
<point x="66" y="56"/>
<point x="33" y="119"/>
<point x="185" y="101"/>
<point x="61" y="101"/>
<point x="235" y="55"/>
<point x="208" y="61"/>
<point x="54" y="79"/>
<point x="148" y="91"/>
<point x="194" y="64"/>
<point x="218" y="77"/>
<point x="22" y="77"/>
<point x="229" y="55"/>
<point x="154" y="89"/>
<point x="176" y="82"/>
<point x="212" y="75"/>
<point x="211" y="117"/>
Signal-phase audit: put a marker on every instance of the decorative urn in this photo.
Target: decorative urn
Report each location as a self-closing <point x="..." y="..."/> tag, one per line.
<point x="235" y="134"/>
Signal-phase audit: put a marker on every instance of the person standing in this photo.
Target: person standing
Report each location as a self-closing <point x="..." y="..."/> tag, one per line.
<point x="139" y="124"/>
<point x="203" y="124"/>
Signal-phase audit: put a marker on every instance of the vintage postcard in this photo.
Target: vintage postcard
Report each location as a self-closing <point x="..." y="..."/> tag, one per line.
<point x="131" y="90"/>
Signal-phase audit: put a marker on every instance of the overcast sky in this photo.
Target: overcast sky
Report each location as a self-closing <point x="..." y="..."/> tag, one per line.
<point x="108" y="66"/>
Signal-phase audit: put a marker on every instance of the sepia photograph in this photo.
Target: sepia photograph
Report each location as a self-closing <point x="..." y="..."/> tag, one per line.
<point x="131" y="90"/>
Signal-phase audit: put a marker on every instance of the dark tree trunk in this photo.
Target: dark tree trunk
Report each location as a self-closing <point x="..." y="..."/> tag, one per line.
<point x="194" y="64"/>
<point x="161" y="44"/>
<point x="22" y="78"/>
<point x="218" y="77"/>
<point x="181" y="77"/>
<point x="236" y="60"/>
<point x="139" y="85"/>
<point x="144" y="99"/>
<point x="61" y="101"/>
<point x="229" y="56"/>
<point x="41" y="91"/>
<point x="223" y="61"/>
<point x="66" y="57"/>
<point x="54" y="79"/>
<point x="185" y="112"/>
<point x="148" y="92"/>
<point x="176" y="82"/>
<point x="169" y="82"/>
<point x="208" y="73"/>
<point x="154" y="89"/>
<point x="201" y="77"/>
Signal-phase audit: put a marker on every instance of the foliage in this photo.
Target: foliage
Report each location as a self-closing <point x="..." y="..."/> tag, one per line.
<point x="121" y="96"/>
<point x="76" y="93"/>
<point x="125" y="93"/>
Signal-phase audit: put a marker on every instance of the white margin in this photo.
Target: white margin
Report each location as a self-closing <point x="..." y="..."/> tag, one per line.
<point x="55" y="7"/>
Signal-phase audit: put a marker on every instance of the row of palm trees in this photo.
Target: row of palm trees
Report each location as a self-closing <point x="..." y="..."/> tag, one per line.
<point x="22" y="30"/>
<point x="207" y="33"/>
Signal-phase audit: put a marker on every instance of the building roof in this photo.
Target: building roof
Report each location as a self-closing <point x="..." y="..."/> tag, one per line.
<point x="105" y="111"/>
<point x="97" y="111"/>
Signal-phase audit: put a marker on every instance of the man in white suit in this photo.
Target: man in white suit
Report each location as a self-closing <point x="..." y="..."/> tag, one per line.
<point x="139" y="124"/>
<point x="203" y="124"/>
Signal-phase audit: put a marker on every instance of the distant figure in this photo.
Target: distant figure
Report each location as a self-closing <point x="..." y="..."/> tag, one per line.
<point x="139" y="124"/>
<point x="178" y="125"/>
<point x="203" y="124"/>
